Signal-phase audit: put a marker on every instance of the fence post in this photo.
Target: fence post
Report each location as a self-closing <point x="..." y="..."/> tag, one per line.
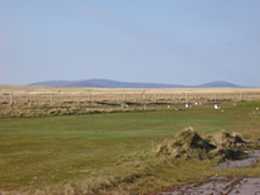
<point x="143" y="98"/>
<point x="11" y="99"/>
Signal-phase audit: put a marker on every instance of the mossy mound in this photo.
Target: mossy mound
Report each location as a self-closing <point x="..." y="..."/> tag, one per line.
<point x="190" y="144"/>
<point x="226" y="139"/>
<point x="186" y="144"/>
<point x="230" y="146"/>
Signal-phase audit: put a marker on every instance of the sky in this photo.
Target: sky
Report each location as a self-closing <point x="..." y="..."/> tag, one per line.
<point x="169" y="41"/>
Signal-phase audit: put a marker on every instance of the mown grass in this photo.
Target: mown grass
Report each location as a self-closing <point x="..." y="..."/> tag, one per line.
<point x="38" y="152"/>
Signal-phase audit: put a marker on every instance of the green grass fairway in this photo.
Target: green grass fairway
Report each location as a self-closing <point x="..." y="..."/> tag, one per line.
<point x="44" y="151"/>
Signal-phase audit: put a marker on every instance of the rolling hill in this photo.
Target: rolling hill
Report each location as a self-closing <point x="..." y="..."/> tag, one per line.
<point x="106" y="83"/>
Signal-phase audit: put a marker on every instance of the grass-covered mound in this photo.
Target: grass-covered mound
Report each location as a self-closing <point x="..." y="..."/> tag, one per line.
<point x="190" y="144"/>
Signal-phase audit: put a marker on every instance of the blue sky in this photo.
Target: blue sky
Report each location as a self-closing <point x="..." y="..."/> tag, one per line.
<point x="170" y="41"/>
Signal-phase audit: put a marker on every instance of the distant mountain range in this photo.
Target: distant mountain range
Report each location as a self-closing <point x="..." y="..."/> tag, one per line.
<point x="106" y="83"/>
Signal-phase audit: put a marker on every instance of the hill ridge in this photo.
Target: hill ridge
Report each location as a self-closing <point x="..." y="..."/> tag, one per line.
<point x="109" y="83"/>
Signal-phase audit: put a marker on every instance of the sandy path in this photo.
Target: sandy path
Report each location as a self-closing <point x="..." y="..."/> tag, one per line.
<point x="220" y="186"/>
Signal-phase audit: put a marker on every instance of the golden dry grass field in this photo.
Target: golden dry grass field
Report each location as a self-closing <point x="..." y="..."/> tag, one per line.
<point x="40" y="101"/>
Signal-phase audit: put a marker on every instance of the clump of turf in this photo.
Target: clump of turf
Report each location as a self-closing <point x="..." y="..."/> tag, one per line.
<point x="190" y="144"/>
<point x="230" y="146"/>
<point x="226" y="139"/>
<point x="187" y="144"/>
